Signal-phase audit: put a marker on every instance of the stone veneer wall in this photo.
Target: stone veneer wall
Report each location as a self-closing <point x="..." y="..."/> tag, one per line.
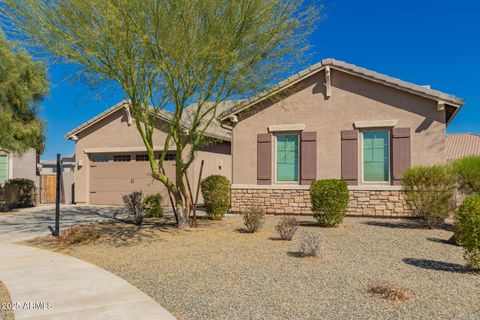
<point x="385" y="203"/>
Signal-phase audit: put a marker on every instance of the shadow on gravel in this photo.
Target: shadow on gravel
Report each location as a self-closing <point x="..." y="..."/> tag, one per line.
<point x="408" y="224"/>
<point x="450" y="241"/>
<point x="438" y="265"/>
<point x="307" y="223"/>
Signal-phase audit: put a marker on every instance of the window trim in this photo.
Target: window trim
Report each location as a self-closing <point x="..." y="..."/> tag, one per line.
<point x="389" y="153"/>
<point x="287" y="133"/>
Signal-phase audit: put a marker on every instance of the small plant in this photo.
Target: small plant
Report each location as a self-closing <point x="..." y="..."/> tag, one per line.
<point x="429" y="191"/>
<point x="216" y="195"/>
<point x="467" y="230"/>
<point x="287" y="227"/>
<point x="78" y="234"/>
<point x="253" y="219"/>
<point x="153" y="206"/>
<point x="329" y="200"/>
<point x="311" y="244"/>
<point x="18" y="193"/>
<point x="133" y="203"/>
<point x="391" y="292"/>
<point x="468" y="174"/>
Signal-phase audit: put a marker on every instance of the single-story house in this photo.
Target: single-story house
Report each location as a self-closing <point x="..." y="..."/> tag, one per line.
<point x="48" y="181"/>
<point x="461" y="145"/>
<point x="14" y="166"/>
<point x="335" y="120"/>
<point x="111" y="159"/>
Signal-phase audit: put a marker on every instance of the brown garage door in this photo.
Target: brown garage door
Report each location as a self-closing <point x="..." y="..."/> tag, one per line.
<point x="109" y="181"/>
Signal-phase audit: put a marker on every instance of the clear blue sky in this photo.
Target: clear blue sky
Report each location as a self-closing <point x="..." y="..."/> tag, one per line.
<point x="424" y="42"/>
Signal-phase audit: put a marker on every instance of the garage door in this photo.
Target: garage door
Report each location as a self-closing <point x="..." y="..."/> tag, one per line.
<point x="110" y="180"/>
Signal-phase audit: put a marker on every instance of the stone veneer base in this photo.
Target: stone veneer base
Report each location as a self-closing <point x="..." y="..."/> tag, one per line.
<point x="296" y="201"/>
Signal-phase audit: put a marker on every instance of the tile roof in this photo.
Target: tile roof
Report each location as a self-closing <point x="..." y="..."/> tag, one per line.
<point x="460" y="145"/>
<point x="214" y="131"/>
<point x="347" y="67"/>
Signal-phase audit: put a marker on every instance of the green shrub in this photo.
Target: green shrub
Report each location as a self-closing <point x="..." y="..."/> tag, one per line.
<point x="18" y="193"/>
<point x="216" y="195"/>
<point x="329" y="200"/>
<point x="253" y="219"/>
<point x="468" y="174"/>
<point x="467" y="229"/>
<point x="429" y="192"/>
<point x="153" y="206"/>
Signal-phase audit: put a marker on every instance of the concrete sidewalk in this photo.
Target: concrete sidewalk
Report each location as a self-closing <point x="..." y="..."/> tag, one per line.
<point x="70" y="288"/>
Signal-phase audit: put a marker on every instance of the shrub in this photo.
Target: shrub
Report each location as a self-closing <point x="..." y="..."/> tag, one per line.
<point x="78" y="234"/>
<point x="468" y="174"/>
<point x="153" y="206"/>
<point x="390" y="292"/>
<point x="429" y="191"/>
<point x="253" y="219"/>
<point x="216" y="195"/>
<point x="329" y="200"/>
<point x="287" y="227"/>
<point x="133" y="203"/>
<point x="467" y="229"/>
<point x="18" y="193"/>
<point x="311" y="244"/>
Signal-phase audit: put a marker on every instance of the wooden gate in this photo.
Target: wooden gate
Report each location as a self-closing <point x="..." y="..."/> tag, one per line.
<point x="49" y="184"/>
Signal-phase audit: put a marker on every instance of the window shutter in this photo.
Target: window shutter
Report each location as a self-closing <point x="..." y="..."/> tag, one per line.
<point x="308" y="157"/>
<point x="350" y="156"/>
<point x="401" y="153"/>
<point x="264" y="158"/>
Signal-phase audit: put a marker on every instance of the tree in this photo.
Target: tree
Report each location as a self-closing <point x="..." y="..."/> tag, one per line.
<point x="172" y="53"/>
<point x="23" y="85"/>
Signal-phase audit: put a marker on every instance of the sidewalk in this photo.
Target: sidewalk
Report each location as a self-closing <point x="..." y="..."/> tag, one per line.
<point x="69" y="288"/>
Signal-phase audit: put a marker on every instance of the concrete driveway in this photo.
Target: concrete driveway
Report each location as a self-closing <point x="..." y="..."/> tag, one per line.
<point x="30" y="222"/>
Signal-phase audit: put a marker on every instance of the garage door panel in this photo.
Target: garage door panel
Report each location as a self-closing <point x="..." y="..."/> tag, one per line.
<point x="111" y="180"/>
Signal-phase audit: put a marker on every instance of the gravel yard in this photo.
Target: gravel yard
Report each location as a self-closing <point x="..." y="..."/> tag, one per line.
<point x="216" y="272"/>
<point x="6" y="313"/>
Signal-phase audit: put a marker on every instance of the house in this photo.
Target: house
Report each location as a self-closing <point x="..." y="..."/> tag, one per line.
<point x="48" y="182"/>
<point x="13" y="166"/>
<point x="111" y="158"/>
<point x="335" y="120"/>
<point x="461" y="145"/>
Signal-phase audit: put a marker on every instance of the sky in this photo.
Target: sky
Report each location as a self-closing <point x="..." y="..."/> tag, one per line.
<point x="433" y="43"/>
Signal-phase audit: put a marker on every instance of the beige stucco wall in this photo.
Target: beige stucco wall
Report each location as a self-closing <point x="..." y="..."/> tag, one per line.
<point x="114" y="132"/>
<point x="353" y="99"/>
<point x="25" y="165"/>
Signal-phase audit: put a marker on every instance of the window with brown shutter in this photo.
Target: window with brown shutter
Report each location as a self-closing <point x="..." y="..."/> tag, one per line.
<point x="349" y="155"/>
<point x="264" y="158"/>
<point x="308" y="157"/>
<point x="401" y="153"/>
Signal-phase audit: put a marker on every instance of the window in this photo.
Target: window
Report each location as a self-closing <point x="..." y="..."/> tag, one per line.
<point x="121" y="158"/>
<point x="375" y="156"/>
<point x="141" y="157"/>
<point x="170" y="157"/>
<point x="3" y="168"/>
<point x="286" y="157"/>
<point x="99" y="158"/>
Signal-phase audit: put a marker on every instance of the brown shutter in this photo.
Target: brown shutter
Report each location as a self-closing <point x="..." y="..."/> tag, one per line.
<point x="401" y="154"/>
<point x="264" y="158"/>
<point x="308" y="157"/>
<point x="350" y="156"/>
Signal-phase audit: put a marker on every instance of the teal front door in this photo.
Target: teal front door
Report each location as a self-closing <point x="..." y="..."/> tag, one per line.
<point x="3" y="168"/>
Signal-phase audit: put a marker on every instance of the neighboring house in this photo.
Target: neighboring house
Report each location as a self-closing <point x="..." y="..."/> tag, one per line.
<point x="48" y="171"/>
<point x="13" y="166"/>
<point x="111" y="158"/>
<point x="461" y="145"/>
<point x="335" y="120"/>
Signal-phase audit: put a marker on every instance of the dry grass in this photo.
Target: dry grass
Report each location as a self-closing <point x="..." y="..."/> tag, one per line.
<point x="5" y="299"/>
<point x="78" y="234"/>
<point x="216" y="272"/>
<point x="391" y="292"/>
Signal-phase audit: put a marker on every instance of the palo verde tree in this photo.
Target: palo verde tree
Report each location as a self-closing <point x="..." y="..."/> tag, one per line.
<point x="171" y="54"/>
<point x="23" y="85"/>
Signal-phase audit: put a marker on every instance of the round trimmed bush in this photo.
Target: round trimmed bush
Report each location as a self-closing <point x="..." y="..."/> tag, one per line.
<point x="467" y="229"/>
<point x="216" y="196"/>
<point x="329" y="200"/>
<point x="153" y="205"/>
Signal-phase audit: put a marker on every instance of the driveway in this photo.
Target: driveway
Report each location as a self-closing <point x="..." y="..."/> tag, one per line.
<point x="30" y="222"/>
<point x="48" y="285"/>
